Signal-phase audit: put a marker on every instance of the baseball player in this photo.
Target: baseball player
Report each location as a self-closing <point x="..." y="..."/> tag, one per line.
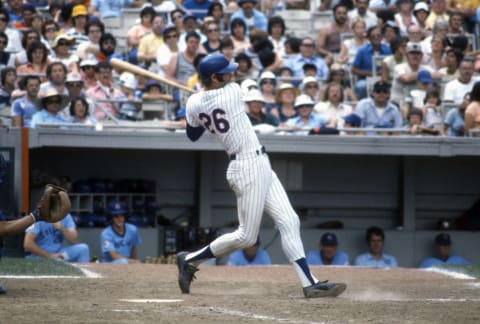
<point x="219" y="110"/>
<point x="119" y="240"/>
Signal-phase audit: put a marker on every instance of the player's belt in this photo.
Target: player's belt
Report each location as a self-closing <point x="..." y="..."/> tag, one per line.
<point x="247" y="155"/>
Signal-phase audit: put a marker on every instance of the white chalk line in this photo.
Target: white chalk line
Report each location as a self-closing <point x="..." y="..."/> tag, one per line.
<point x="237" y="313"/>
<point x="449" y="273"/>
<point x="152" y="300"/>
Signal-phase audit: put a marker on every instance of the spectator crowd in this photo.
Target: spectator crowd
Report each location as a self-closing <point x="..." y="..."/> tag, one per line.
<point x="374" y="67"/>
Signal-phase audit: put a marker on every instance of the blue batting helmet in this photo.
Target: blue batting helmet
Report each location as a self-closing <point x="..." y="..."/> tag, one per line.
<point x="215" y="64"/>
<point x="117" y="208"/>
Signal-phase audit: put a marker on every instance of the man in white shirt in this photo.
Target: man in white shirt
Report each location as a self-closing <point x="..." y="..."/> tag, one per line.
<point x="361" y="10"/>
<point x="455" y="90"/>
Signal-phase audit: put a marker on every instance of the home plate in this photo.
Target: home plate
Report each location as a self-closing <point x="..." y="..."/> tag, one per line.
<point x="152" y="300"/>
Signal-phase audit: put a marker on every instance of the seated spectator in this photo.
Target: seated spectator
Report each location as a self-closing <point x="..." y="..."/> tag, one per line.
<point x="378" y="111"/>
<point x="421" y="12"/>
<point x="79" y="112"/>
<point x="8" y="77"/>
<point x="79" y="19"/>
<point x="375" y="257"/>
<point x="253" y="255"/>
<point x="416" y="124"/>
<point x="52" y="103"/>
<point x="138" y="31"/>
<point x="306" y="119"/>
<point x="472" y="113"/>
<point x="150" y="43"/>
<point x="119" y="240"/>
<point x="56" y="74"/>
<point x="436" y="57"/>
<point x="25" y="107"/>
<point x="332" y="108"/>
<point x="398" y="46"/>
<point x="253" y="18"/>
<point x="455" y="90"/>
<point x="107" y="48"/>
<point x="154" y="91"/>
<point x="245" y="67"/>
<point x="350" y="46"/>
<point x="6" y="58"/>
<point x="193" y="81"/>
<point x="43" y="239"/>
<point x="37" y="61"/>
<point x="62" y="47"/>
<point x="404" y="17"/>
<point x="197" y="5"/>
<point x="14" y="35"/>
<point x="307" y="55"/>
<point x="190" y="25"/>
<point x="310" y="87"/>
<point x="110" y="10"/>
<point x="104" y="90"/>
<point x="167" y="48"/>
<point x="276" y="32"/>
<point x="88" y="70"/>
<point x="30" y="36"/>
<point x="128" y="85"/>
<point x="432" y="110"/>
<point x="255" y="103"/>
<point x="267" y="84"/>
<point x="285" y="98"/>
<point x="339" y="76"/>
<point x="362" y="63"/>
<point x="328" y="41"/>
<point x="238" y="35"/>
<point x="454" y="122"/>
<point x="212" y="44"/>
<point x="88" y="50"/>
<point x="405" y="75"/>
<point x="443" y="243"/>
<point x="453" y="57"/>
<point x="328" y="254"/>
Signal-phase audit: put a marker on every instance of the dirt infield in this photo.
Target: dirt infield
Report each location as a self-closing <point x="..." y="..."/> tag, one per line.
<point x="148" y="293"/>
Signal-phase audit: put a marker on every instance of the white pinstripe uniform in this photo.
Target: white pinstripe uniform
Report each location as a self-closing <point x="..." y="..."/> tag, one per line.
<point x="250" y="175"/>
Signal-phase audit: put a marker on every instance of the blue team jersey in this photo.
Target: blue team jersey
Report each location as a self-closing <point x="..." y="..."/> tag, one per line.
<point x="237" y="258"/>
<point x="453" y="259"/>
<point x="48" y="237"/>
<point x="367" y="260"/>
<point x="314" y="258"/>
<point x="122" y="244"/>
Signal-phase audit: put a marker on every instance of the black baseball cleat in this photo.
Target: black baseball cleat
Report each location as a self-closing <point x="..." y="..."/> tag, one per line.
<point x="186" y="272"/>
<point x="324" y="289"/>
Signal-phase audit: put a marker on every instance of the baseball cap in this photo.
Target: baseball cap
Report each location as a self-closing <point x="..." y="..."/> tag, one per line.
<point x="116" y="208"/>
<point x="329" y="239"/>
<point x="381" y="86"/>
<point x="168" y="28"/>
<point x="414" y="47"/>
<point x="266" y="75"/>
<point x="79" y="10"/>
<point x="189" y="16"/>
<point x="443" y="239"/>
<point x="353" y="119"/>
<point x="303" y="100"/>
<point x="152" y="83"/>
<point x="307" y="80"/>
<point x="421" y="6"/>
<point x="88" y="62"/>
<point x="127" y="79"/>
<point x="253" y="95"/>
<point x="424" y="76"/>
<point x="74" y="77"/>
<point x="215" y="64"/>
<point x="240" y="2"/>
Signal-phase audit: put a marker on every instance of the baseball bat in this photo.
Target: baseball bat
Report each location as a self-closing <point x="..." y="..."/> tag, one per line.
<point x="125" y="66"/>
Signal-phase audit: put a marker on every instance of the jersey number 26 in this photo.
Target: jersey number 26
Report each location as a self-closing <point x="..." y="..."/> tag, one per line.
<point x="215" y="122"/>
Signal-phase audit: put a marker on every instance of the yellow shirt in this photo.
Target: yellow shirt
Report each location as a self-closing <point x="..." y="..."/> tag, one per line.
<point x="464" y="4"/>
<point x="432" y="18"/>
<point x="150" y="44"/>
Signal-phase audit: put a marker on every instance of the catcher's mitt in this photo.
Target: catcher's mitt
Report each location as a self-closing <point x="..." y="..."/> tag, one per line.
<point x="54" y="204"/>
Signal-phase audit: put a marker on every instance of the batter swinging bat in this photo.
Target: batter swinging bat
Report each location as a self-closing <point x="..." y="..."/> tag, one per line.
<point x="125" y="66"/>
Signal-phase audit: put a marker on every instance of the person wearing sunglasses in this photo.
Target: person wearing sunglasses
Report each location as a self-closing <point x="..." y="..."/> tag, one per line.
<point x="212" y="44"/>
<point x="52" y="102"/>
<point x="169" y="47"/>
<point x="378" y="111"/>
<point x="62" y="45"/>
<point x="14" y="36"/>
